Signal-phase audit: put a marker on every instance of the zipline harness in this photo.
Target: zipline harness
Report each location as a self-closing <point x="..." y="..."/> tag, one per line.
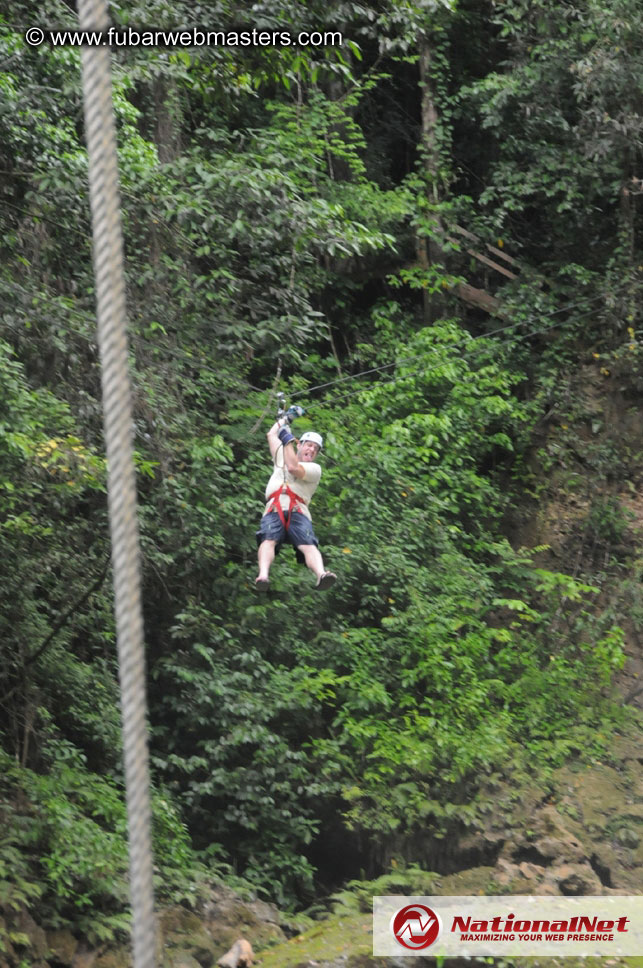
<point x="275" y="504"/>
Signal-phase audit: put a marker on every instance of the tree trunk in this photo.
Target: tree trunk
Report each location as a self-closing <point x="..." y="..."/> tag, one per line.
<point x="429" y="252"/>
<point x="167" y="136"/>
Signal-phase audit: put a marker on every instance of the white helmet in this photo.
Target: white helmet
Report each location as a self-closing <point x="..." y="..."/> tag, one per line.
<point x="313" y="438"/>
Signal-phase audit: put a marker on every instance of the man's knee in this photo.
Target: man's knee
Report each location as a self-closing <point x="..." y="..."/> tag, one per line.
<point x="308" y="550"/>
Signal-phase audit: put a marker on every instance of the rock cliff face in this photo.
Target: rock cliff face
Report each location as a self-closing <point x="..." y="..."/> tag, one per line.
<point x="583" y="837"/>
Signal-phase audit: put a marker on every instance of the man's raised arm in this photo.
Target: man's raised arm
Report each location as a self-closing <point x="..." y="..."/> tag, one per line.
<point x="278" y="435"/>
<point x="273" y="439"/>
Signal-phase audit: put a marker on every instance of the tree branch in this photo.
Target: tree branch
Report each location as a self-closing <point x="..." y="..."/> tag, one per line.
<point x="62" y="621"/>
<point x="275" y="383"/>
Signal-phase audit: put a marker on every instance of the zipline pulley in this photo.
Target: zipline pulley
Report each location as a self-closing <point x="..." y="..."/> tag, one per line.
<point x="289" y="413"/>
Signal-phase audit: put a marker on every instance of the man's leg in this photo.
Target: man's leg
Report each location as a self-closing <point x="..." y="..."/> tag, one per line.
<point x="314" y="560"/>
<point x="301" y="534"/>
<point x="266" y="556"/>
<point x="269" y="536"/>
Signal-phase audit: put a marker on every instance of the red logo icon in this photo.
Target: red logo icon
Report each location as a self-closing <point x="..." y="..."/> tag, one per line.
<point x="416" y="926"/>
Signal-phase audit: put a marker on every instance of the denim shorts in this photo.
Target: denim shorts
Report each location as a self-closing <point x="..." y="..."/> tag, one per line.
<point x="299" y="531"/>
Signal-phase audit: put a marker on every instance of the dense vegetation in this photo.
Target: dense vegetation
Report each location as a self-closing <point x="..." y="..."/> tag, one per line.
<point x="292" y="218"/>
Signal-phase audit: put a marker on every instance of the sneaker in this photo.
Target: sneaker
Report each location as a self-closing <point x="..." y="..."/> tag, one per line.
<point x="262" y="584"/>
<point x="325" y="581"/>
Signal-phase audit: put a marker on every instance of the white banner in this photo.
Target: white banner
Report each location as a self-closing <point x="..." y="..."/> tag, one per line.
<point x="511" y="925"/>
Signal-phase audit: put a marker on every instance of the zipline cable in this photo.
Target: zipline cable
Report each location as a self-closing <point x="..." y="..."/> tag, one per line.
<point x="186" y="355"/>
<point x="426" y="369"/>
<point x="117" y="415"/>
<point x="412" y="359"/>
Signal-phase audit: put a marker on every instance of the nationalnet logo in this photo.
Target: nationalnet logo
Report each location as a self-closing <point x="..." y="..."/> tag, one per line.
<point x="509" y="925"/>
<point x="416" y="926"/>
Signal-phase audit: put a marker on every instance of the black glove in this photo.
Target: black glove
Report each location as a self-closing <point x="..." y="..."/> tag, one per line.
<point x="285" y="435"/>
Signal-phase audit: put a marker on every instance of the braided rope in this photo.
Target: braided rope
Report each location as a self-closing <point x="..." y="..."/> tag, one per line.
<point x="117" y="409"/>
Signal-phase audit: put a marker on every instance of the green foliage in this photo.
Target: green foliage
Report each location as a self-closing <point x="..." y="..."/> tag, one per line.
<point x="64" y="849"/>
<point x="403" y="879"/>
<point x="275" y="205"/>
<point x="17" y="890"/>
<point x="559" y="108"/>
<point x="71" y="825"/>
<point x="607" y="519"/>
<point x="435" y="662"/>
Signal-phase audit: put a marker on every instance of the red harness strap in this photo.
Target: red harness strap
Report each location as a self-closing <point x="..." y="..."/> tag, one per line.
<point x="276" y="503"/>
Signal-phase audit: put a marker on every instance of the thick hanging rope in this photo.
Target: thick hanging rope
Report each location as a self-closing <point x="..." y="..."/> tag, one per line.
<point x="117" y="416"/>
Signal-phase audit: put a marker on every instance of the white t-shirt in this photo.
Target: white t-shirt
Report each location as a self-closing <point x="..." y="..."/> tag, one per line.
<point x="303" y="487"/>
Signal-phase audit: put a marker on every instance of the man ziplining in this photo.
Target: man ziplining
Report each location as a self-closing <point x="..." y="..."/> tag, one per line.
<point x="293" y="482"/>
